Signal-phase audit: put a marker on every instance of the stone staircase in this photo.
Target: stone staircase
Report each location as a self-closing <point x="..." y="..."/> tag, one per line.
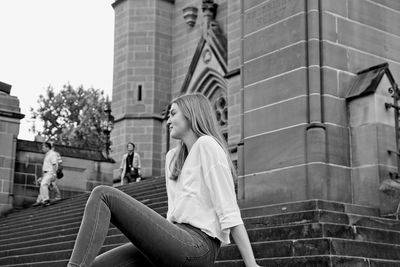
<point x="304" y="233"/>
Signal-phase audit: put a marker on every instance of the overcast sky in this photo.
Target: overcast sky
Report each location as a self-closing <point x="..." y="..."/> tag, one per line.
<point x="53" y="42"/>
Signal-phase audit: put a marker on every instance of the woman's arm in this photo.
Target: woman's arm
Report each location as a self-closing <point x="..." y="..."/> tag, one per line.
<point x="241" y="238"/>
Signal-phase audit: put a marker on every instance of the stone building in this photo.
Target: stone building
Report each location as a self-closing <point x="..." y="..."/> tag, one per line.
<point x="278" y="73"/>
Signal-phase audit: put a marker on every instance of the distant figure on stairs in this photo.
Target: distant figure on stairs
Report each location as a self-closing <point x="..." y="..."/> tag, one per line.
<point x="49" y="168"/>
<point x="130" y="166"/>
<point x="202" y="207"/>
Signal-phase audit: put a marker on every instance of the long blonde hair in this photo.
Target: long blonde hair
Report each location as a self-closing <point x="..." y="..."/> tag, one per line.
<point x="196" y="108"/>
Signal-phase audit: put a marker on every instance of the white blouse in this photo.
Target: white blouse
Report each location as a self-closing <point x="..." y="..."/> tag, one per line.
<point x="203" y="195"/>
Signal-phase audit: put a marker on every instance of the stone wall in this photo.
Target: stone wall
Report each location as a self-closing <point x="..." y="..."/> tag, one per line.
<point x="300" y="58"/>
<point x="9" y="127"/>
<point x="234" y="81"/>
<point x="83" y="170"/>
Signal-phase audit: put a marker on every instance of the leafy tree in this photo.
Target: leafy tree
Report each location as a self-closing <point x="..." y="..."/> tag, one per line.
<point x="71" y="117"/>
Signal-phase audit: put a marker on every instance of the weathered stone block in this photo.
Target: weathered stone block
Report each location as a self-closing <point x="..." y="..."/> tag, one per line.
<point x="370" y="109"/>
<point x="335" y="111"/>
<point x="251" y="3"/>
<point x="328" y="25"/>
<point x="284" y="185"/>
<point x="270" y="12"/>
<point x="365" y="184"/>
<point x="275" y="150"/>
<point x="338" y="7"/>
<point x="386" y="145"/>
<point x="339" y="184"/>
<point x="328" y="182"/>
<point x="365" y="249"/>
<point x="374" y="15"/>
<point x="276" y="63"/>
<point x="311" y="247"/>
<point x="334" y="56"/>
<point x="286" y="114"/>
<point x="6" y="186"/>
<point x="338" y="145"/>
<point x="279" y="88"/>
<point x="329" y="81"/>
<point x="275" y="37"/>
<point x="389" y="3"/>
<point x="6" y="141"/>
<point x="364" y="145"/>
<point x="368" y="39"/>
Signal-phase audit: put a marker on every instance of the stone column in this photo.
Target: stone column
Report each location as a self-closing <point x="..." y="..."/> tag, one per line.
<point x="142" y="73"/>
<point x="10" y="117"/>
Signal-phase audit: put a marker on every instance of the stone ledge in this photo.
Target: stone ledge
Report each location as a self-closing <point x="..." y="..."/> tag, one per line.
<point x="9" y="114"/>
<point x="65" y="151"/>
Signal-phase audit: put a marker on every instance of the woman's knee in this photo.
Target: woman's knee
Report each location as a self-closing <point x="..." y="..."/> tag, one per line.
<point x="102" y="191"/>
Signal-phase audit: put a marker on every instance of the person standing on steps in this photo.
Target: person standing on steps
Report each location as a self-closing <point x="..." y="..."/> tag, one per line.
<point x="202" y="206"/>
<point x="130" y="165"/>
<point x="53" y="185"/>
<point x="49" y="168"/>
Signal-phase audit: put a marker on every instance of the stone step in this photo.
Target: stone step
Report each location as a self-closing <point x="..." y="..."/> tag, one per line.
<point x="59" y="223"/>
<point x="304" y="231"/>
<point x="320" y="216"/>
<point x="315" y="246"/>
<point x="47" y="238"/>
<point x="70" y="205"/>
<point x="307" y="261"/>
<point x="36" y="257"/>
<point x="58" y="244"/>
<point x="306" y="205"/>
<point x="55" y="263"/>
<point x="287" y="219"/>
<point x="318" y="230"/>
<point x="263" y="250"/>
<point x="156" y="202"/>
<point x="293" y="232"/>
<point x="132" y="189"/>
<point x="314" y="261"/>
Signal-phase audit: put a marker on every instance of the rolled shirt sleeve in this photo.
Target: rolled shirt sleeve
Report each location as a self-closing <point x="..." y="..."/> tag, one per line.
<point x="219" y="181"/>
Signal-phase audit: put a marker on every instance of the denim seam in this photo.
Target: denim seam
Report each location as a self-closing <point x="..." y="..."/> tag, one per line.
<point x="92" y="235"/>
<point x="163" y="230"/>
<point x="189" y="259"/>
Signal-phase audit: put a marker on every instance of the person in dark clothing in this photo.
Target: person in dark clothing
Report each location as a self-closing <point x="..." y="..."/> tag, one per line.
<point x="130" y="165"/>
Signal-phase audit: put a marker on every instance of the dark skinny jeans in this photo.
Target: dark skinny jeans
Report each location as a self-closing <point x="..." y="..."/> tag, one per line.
<point x="154" y="240"/>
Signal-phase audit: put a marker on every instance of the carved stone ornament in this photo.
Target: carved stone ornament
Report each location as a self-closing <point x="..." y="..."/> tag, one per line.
<point x="209" y="11"/>
<point x="190" y="15"/>
<point x="207" y="56"/>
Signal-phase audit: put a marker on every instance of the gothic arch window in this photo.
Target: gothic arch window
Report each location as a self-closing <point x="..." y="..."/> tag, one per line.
<point x="212" y="85"/>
